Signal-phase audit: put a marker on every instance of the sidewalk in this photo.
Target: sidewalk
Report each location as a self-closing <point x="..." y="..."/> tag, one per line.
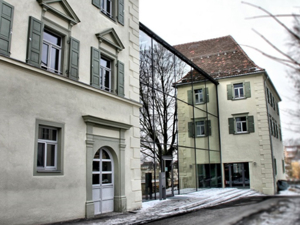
<point x="179" y="204"/>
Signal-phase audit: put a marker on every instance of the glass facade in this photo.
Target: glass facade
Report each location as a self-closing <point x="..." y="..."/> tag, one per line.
<point x="179" y="120"/>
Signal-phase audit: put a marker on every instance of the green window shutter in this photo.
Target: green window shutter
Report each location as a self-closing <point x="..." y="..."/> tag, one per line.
<point x="95" y="67"/>
<point x="231" y="125"/>
<point x="229" y="91"/>
<point x="247" y="89"/>
<point x="121" y="72"/>
<point x="121" y="11"/>
<point x="96" y="3"/>
<point x="6" y="20"/>
<point x="74" y="59"/>
<point x="190" y="97"/>
<point x="191" y="129"/>
<point x="251" y="124"/>
<point x="35" y="42"/>
<point x="206" y="94"/>
<point x="208" y="128"/>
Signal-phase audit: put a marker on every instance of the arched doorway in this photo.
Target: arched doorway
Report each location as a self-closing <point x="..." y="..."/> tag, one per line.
<point x="103" y="182"/>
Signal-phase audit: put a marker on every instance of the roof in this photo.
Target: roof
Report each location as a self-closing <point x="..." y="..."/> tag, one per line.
<point x="219" y="57"/>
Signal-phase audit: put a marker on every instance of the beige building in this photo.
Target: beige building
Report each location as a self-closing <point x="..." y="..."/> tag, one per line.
<point x="69" y="106"/>
<point x="233" y="129"/>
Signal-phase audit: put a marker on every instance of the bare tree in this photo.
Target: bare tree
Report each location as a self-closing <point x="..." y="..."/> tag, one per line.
<point x="158" y="115"/>
<point x="290" y="58"/>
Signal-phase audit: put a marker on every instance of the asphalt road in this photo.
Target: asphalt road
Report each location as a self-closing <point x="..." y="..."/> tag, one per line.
<point x="248" y="211"/>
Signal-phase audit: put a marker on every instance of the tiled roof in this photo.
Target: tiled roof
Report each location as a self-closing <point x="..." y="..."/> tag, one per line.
<point x="219" y="57"/>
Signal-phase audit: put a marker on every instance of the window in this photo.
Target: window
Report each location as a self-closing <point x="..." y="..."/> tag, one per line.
<point x="199" y="96"/>
<point x="106" y="7"/>
<point x="48" y="48"/>
<point x="103" y="74"/>
<point x="6" y="20"/>
<point x="241" y="124"/>
<point x="114" y="9"/>
<point x="238" y="91"/>
<point x="49" y="148"/>
<point x="202" y="128"/>
<point x="51" y="52"/>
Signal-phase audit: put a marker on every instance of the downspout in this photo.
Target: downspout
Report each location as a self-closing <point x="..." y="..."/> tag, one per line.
<point x="270" y="135"/>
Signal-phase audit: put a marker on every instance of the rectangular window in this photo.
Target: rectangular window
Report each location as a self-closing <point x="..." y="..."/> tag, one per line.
<point x="241" y="124"/>
<point x="106" y="7"/>
<point x="199" y="96"/>
<point x="47" y="48"/>
<point x="200" y="128"/>
<point x="51" y="52"/>
<point x="238" y="90"/>
<point x="105" y="74"/>
<point x="49" y="148"/>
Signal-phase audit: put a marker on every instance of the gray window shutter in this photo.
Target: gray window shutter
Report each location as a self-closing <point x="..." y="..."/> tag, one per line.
<point x="208" y="128"/>
<point x="95" y="67"/>
<point x="190" y="97"/>
<point x="247" y="89"/>
<point x="251" y="124"/>
<point x="121" y="72"/>
<point x="121" y="11"/>
<point x="6" y="20"/>
<point x="96" y="3"/>
<point x="191" y="129"/>
<point x="74" y="59"/>
<point x="229" y="91"/>
<point x="35" y="42"/>
<point x="231" y="125"/>
<point x="206" y="95"/>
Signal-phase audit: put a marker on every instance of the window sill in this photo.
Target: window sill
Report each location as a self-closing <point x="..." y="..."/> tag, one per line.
<point x="48" y="171"/>
<point x="111" y="18"/>
<point x="235" y="99"/>
<point x="242" y="133"/>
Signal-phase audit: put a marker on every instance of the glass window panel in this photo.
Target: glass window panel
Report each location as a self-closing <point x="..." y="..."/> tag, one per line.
<point x="105" y="155"/>
<point x="55" y="59"/>
<point x="52" y="38"/>
<point x="97" y="155"/>
<point x="242" y="92"/>
<point x="244" y="125"/>
<point x="50" y="155"/>
<point x="96" y="165"/>
<point x="106" y="178"/>
<point x="107" y="80"/>
<point x="45" y="54"/>
<point x="238" y="126"/>
<point x="47" y="134"/>
<point x="106" y="166"/>
<point x="41" y="154"/>
<point x="96" y="179"/>
<point x="236" y="93"/>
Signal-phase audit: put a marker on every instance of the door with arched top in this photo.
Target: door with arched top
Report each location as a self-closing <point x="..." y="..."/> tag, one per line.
<point x="103" y="182"/>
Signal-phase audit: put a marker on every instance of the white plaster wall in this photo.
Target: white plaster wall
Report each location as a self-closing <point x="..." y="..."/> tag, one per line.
<point x="28" y="94"/>
<point x="253" y="147"/>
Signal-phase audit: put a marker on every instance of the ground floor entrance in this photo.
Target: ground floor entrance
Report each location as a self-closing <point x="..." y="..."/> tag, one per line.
<point x="103" y="182"/>
<point x="237" y="175"/>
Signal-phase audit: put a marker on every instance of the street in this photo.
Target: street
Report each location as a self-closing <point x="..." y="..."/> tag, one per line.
<point x="253" y="210"/>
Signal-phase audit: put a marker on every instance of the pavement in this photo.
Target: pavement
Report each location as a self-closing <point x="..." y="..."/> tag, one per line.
<point x="179" y="204"/>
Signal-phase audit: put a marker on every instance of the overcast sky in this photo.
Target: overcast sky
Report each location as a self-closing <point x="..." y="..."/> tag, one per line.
<point x="179" y="22"/>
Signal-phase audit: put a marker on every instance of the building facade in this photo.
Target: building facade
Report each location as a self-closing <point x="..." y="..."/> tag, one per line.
<point x="245" y="108"/>
<point x="69" y="78"/>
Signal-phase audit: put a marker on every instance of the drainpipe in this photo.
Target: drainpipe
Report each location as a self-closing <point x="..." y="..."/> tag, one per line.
<point x="270" y="135"/>
<point x="219" y="131"/>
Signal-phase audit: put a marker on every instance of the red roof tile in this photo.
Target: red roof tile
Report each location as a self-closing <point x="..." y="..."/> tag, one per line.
<point x="219" y="57"/>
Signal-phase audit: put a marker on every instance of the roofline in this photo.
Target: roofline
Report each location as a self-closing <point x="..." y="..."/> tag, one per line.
<point x="268" y="78"/>
<point x="176" y="52"/>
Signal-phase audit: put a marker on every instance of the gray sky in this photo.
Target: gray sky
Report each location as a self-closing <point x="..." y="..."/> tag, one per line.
<point x="179" y="22"/>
